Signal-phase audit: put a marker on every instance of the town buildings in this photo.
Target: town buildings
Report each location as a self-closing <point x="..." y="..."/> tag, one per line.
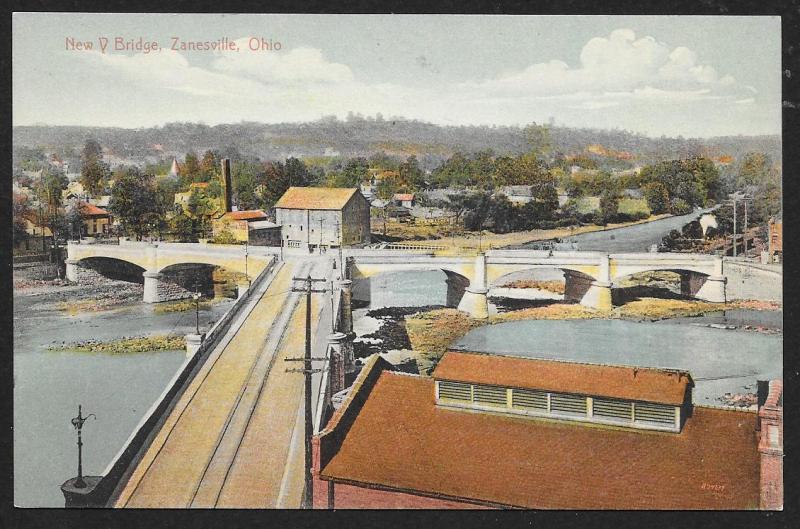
<point x="238" y="223"/>
<point x="489" y="431"/>
<point x="319" y="218"/>
<point x="95" y="220"/>
<point x="776" y="239"/>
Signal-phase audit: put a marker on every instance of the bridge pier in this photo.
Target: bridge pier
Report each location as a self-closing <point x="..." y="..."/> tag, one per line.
<point x="72" y="270"/>
<point x="475" y="301"/>
<point x="345" y="323"/>
<point x="598" y="296"/>
<point x="151" y="282"/>
<point x="713" y="290"/>
<point x="340" y="353"/>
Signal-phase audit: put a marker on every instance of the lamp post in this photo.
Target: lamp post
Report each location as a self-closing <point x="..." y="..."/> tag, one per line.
<point x="196" y="298"/>
<point x="246" y="247"/>
<point x="77" y="422"/>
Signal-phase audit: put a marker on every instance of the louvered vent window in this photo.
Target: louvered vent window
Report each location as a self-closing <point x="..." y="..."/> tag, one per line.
<point x="532" y="400"/>
<point x="567" y="404"/>
<point x="612" y="409"/>
<point x="658" y="414"/>
<point x="455" y="391"/>
<point x="490" y="395"/>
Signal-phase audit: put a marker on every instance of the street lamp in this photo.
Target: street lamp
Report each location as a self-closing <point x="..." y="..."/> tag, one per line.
<point x="77" y="422"/>
<point x="196" y="298"/>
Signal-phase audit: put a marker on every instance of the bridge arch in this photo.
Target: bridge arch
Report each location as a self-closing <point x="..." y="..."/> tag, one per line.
<point x="109" y="267"/>
<point x="691" y="285"/>
<point x="366" y="285"/>
<point x="211" y="280"/>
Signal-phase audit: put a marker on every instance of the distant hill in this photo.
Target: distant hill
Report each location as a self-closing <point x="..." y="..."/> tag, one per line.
<point x="362" y="137"/>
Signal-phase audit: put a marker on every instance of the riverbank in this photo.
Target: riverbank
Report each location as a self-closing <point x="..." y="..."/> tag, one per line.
<point x="428" y="234"/>
<point x="125" y="345"/>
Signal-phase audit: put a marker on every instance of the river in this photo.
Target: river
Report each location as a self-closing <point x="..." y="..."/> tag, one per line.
<point x="635" y="238"/>
<point x="49" y="385"/>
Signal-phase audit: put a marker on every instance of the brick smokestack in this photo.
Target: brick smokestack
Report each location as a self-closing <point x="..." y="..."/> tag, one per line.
<point x="770" y="448"/>
<point x="226" y="184"/>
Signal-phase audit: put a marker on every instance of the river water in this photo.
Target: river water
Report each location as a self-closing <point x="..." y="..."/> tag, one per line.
<point x="49" y="385"/>
<point x="636" y="238"/>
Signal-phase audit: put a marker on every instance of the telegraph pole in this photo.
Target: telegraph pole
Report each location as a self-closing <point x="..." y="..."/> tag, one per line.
<point x="744" y="233"/>
<point x="308" y="371"/>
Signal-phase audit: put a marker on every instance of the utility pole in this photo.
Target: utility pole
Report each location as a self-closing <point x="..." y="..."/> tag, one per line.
<point x="734" y="226"/>
<point x="340" y="240"/>
<point x="744" y="233"/>
<point x="308" y="371"/>
<point x="320" y="235"/>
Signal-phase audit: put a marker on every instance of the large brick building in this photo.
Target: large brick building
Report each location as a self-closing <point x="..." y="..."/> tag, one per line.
<point x="488" y="431"/>
<point x="321" y="217"/>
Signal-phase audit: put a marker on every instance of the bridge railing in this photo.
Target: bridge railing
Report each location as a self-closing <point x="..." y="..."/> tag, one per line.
<point x="119" y="469"/>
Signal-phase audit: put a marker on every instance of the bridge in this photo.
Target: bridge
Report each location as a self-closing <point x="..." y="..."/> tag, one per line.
<point x="159" y="263"/>
<point x="589" y="276"/>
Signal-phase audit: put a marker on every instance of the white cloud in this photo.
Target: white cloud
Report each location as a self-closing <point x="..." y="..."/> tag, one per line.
<point x="639" y="78"/>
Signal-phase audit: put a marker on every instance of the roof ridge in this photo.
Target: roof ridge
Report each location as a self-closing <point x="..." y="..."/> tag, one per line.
<point x="567" y="361"/>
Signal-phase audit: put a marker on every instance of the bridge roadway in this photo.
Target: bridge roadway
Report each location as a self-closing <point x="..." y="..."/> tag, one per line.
<point x="234" y="438"/>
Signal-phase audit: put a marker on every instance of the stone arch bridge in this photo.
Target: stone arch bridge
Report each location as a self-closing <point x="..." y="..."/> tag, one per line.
<point x="154" y="259"/>
<point x="589" y="276"/>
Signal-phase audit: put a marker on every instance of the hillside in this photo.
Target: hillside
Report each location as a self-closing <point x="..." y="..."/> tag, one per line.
<point x="361" y="137"/>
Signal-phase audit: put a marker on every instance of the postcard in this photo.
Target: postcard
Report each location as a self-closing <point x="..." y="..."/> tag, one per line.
<point x="397" y="262"/>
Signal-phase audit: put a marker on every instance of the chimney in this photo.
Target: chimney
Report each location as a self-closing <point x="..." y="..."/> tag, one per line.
<point x="226" y="183"/>
<point x="770" y="447"/>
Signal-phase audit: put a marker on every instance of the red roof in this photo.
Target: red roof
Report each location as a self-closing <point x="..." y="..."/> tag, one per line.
<point x="390" y="435"/>
<point x="90" y="210"/>
<point x="403" y="197"/>
<point x="252" y="214"/>
<point x="327" y="198"/>
<point x="630" y="383"/>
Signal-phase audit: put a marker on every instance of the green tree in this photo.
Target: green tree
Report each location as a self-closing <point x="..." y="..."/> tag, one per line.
<point x="410" y="173"/>
<point x="134" y="201"/>
<point x="609" y="206"/>
<point x="94" y="172"/>
<point x="210" y="167"/>
<point x="754" y="169"/>
<point x="201" y="207"/>
<point x="478" y="207"/>
<point x="190" y="172"/>
<point x="657" y="197"/>
<point x="503" y="214"/>
<point x="538" y="138"/>
<point x="21" y="209"/>
<point x="181" y="227"/>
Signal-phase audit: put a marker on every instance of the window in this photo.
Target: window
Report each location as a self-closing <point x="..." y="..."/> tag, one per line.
<point x="490" y="395"/>
<point x="655" y="414"/>
<point x="455" y="391"/>
<point x="613" y="409"/>
<point x="532" y="400"/>
<point x="564" y="403"/>
<point x="773" y="434"/>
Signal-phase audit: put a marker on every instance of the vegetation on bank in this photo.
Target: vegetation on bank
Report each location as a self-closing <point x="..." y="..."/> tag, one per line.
<point x="556" y="287"/>
<point x="169" y="342"/>
<point x="181" y="305"/>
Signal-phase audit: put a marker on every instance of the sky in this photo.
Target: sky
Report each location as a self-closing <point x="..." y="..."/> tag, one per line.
<point x="655" y="75"/>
